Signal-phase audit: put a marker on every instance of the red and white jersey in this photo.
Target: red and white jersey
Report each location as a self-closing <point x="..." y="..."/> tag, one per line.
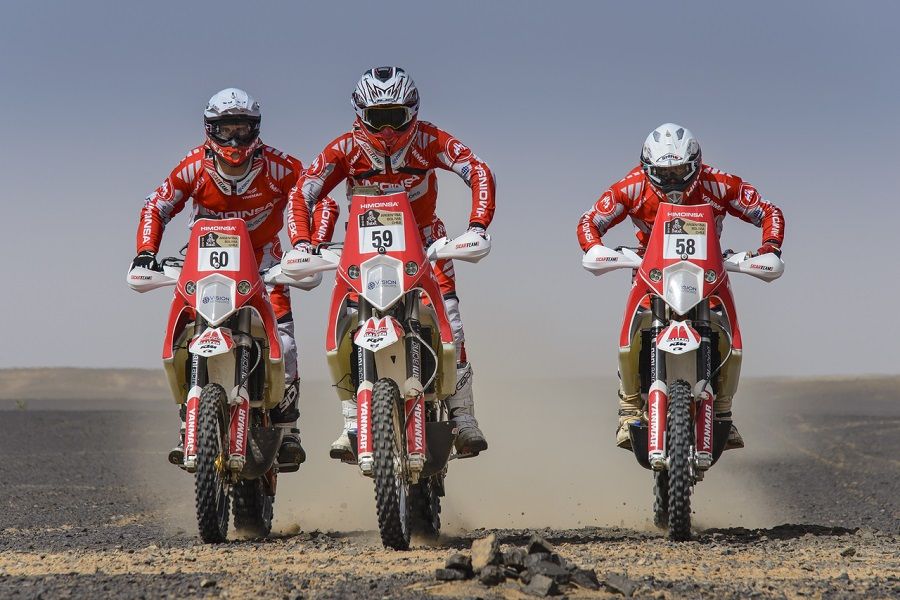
<point x="351" y="157"/>
<point x="259" y="197"/>
<point x="635" y="197"/>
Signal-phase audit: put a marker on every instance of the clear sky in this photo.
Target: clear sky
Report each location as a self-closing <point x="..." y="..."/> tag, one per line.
<point x="101" y="99"/>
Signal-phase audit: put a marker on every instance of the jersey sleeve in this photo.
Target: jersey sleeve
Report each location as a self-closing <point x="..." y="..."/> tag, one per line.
<point x="749" y="206"/>
<point x="610" y="209"/>
<point x="165" y="202"/>
<point x="312" y="214"/>
<point x="452" y="155"/>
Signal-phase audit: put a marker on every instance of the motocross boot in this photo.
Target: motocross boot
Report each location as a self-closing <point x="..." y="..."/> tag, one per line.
<point x="728" y="383"/>
<point x="630" y="411"/>
<point x="176" y="454"/>
<point x="722" y="407"/>
<point x="461" y="405"/>
<point x="291" y="454"/>
<point x="341" y="448"/>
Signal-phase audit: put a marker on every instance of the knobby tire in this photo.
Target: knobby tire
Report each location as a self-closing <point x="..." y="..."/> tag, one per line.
<point x="389" y="447"/>
<point x="210" y="485"/>
<point x="679" y="441"/>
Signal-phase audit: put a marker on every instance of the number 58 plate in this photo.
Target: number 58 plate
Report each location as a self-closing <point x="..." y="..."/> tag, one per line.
<point x="685" y="240"/>
<point x="381" y="231"/>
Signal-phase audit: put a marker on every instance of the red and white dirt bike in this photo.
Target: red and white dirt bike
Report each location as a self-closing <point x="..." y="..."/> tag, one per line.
<point x="389" y="346"/>
<point x="683" y="278"/>
<point x="223" y="359"/>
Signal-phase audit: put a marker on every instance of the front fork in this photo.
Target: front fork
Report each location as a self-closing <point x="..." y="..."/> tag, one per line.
<point x="658" y="396"/>
<point x="415" y="395"/>
<point x="658" y="399"/>
<point x="192" y="409"/>
<point x="239" y="399"/>
<point x="365" y="365"/>
<point x="704" y="395"/>
<point x="414" y="404"/>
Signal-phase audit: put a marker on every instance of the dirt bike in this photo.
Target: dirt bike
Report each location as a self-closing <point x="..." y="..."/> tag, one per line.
<point x="223" y="361"/>
<point x="389" y="346"/>
<point x="680" y="305"/>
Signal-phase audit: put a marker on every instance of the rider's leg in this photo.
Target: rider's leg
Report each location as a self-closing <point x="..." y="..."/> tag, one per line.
<point x="631" y="402"/>
<point x="341" y="448"/>
<point x="287" y="412"/>
<point x="461" y="405"/>
<point x="728" y="383"/>
<point x="176" y="454"/>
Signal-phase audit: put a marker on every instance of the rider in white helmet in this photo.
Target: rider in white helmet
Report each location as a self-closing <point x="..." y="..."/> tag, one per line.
<point x="672" y="170"/>
<point x="234" y="173"/>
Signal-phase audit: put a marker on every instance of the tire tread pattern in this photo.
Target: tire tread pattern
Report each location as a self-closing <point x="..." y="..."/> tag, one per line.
<point x="252" y="508"/>
<point x="679" y="439"/>
<point x="425" y="508"/>
<point x="207" y="487"/>
<point x="385" y="399"/>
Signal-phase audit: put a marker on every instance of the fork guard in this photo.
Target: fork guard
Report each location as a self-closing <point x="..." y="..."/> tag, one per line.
<point x="440" y="436"/>
<point x="638" y="433"/>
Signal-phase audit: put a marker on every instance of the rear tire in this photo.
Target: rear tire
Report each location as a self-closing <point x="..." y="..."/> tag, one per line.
<point x="210" y="483"/>
<point x="425" y="508"/>
<point x="661" y="499"/>
<point x="252" y="508"/>
<point x="679" y="440"/>
<point x="390" y="474"/>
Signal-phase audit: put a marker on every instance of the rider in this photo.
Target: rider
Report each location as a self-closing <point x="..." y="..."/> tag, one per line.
<point x="393" y="150"/>
<point x="233" y="174"/>
<point x="671" y="170"/>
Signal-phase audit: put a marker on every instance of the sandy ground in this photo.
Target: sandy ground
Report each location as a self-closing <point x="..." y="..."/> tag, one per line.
<point x="91" y="509"/>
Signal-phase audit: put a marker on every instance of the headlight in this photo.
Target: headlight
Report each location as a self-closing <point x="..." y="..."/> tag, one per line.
<point x="215" y="298"/>
<point x="382" y="281"/>
<point x="683" y="286"/>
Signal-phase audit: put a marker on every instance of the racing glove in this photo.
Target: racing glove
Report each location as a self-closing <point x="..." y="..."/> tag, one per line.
<point x="769" y="246"/>
<point x="304" y="247"/>
<point x="478" y="229"/>
<point x="147" y="260"/>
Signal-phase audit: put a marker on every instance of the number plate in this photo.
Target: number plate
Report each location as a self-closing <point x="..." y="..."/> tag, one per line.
<point x="381" y="231"/>
<point x="685" y="240"/>
<point x="219" y="252"/>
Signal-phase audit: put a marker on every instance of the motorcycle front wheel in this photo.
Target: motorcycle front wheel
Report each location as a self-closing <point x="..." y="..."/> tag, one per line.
<point x="679" y="441"/>
<point x="389" y="470"/>
<point x="210" y="482"/>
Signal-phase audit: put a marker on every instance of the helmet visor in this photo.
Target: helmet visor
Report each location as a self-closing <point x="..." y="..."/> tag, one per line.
<point x="377" y="118"/>
<point x="671" y="177"/>
<point x="236" y="132"/>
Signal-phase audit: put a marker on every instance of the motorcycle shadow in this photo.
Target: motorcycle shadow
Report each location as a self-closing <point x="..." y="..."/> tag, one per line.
<point x="787" y="531"/>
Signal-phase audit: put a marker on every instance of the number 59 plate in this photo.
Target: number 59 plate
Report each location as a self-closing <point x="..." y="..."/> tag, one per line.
<point x="219" y="252"/>
<point x="381" y="232"/>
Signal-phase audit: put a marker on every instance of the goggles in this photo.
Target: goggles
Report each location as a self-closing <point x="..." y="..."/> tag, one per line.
<point x="394" y="117"/>
<point x="666" y="176"/>
<point x="237" y="132"/>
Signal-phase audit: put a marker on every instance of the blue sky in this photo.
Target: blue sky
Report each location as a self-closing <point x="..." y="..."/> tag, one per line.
<point x="801" y="99"/>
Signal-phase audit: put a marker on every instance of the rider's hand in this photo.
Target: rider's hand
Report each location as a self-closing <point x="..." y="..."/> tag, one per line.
<point x="147" y="260"/>
<point x="768" y="247"/>
<point x="304" y="247"/>
<point x="479" y="230"/>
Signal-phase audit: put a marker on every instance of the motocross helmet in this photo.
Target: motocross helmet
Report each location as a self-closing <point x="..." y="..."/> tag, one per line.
<point x="671" y="160"/>
<point x="232" y="120"/>
<point x="386" y="102"/>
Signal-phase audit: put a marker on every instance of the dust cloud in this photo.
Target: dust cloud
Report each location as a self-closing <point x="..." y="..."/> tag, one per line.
<point x="552" y="462"/>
